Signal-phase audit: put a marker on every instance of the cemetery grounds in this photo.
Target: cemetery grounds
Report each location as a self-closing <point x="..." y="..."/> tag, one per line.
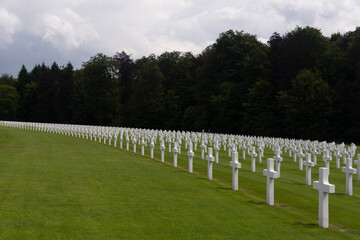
<point x="60" y="187"/>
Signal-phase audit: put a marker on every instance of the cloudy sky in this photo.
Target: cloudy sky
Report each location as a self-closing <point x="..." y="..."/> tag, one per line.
<point x="37" y="31"/>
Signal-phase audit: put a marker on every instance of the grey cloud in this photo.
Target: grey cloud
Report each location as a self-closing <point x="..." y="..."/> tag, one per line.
<point x="74" y="30"/>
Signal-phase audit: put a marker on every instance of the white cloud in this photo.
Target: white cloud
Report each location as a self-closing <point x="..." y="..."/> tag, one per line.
<point x="84" y="27"/>
<point x="67" y="29"/>
<point x="9" y="25"/>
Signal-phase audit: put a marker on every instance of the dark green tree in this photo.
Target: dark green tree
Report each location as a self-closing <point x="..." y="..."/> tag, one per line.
<point x="299" y="49"/>
<point x="64" y="88"/>
<point x="7" y="79"/>
<point x="147" y="106"/>
<point x="308" y="107"/>
<point x="9" y="102"/>
<point x="261" y="116"/>
<point x="229" y="68"/>
<point x="99" y="93"/>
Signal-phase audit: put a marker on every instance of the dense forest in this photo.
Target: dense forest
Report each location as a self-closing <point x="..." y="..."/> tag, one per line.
<point x="298" y="85"/>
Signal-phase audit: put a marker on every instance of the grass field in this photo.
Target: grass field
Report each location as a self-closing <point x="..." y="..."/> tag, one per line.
<point x="58" y="187"/>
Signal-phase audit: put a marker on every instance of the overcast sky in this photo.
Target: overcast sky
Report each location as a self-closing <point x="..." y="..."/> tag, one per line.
<point x="37" y="31"/>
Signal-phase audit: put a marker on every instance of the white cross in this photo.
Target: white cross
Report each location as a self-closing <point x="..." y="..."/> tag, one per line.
<point x="253" y="155"/>
<point x="203" y="146"/>
<point x="230" y="146"/>
<point x="216" y="148"/>
<point x="308" y="165"/>
<point x="179" y="146"/>
<point x="278" y="160"/>
<point x="243" y="151"/>
<point x="175" y="151"/>
<point x="191" y="154"/>
<point x="134" y="143"/>
<point x="127" y="143"/>
<point x="337" y="155"/>
<point x="162" y="149"/>
<point x="357" y="162"/>
<point x="314" y="153"/>
<point x="324" y="189"/>
<point x="294" y="149"/>
<point x="270" y="175"/>
<point x="261" y="152"/>
<point x="142" y="146"/>
<point x="349" y="170"/>
<point x="326" y="159"/>
<point x="235" y="166"/>
<point x="301" y="155"/>
<point x="152" y="145"/>
<point x="121" y="141"/>
<point x="210" y="160"/>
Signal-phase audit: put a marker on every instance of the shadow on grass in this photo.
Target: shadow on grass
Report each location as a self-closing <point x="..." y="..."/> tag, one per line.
<point x="257" y="202"/>
<point x="306" y="224"/>
<point x="225" y="189"/>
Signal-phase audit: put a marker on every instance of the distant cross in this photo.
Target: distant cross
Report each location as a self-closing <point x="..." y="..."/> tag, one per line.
<point x="270" y="175"/>
<point x="230" y="146"/>
<point x="278" y="159"/>
<point x="142" y="146"/>
<point x="152" y="145"/>
<point x="301" y="156"/>
<point x="175" y="151"/>
<point x="162" y="149"/>
<point x="243" y="150"/>
<point x="121" y="141"/>
<point x="261" y="152"/>
<point x="210" y="160"/>
<point x="134" y="143"/>
<point x="308" y="165"/>
<point x="216" y="148"/>
<point x="253" y="155"/>
<point x="294" y="150"/>
<point x="337" y="155"/>
<point x="349" y="170"/>
<point x="314" y="153"/>
<point x="326" y="159"/>
<point x="202" y="146"/>
<point x="190" y="153"/>
<point x="357" y="162"/>
<point x="235" y="166"/>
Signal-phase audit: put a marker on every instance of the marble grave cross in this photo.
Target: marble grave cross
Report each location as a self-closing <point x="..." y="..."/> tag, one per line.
<point x="270" y="176"/>
<point x="324" y="188"/>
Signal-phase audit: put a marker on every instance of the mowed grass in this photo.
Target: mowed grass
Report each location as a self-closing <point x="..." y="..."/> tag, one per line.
<point x="59" y="187"/>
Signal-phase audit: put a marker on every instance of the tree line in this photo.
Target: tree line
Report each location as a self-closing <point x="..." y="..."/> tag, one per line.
<point x="298" y="85"/>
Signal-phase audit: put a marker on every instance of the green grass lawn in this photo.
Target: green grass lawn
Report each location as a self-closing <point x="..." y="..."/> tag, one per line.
<point x="58" y="187"/>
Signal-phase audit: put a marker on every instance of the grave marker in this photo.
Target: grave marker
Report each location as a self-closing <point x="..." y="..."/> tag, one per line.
<point x="190" y="153"/>
<point x="152" y="145"/>
<point x="210" y="160"/>
<point x="324" y="188"/>
<point x="176" y="151"/>
<point x="301" y="155"/>
<point x="308" y="165"/>
<point x="270" y="176"/>
<point x="162" y="149"/>
<point x="278" y="159"/>
<point x="326" y="159"/>
<point x="235" y="166"/>
<point x="349" y="171"/>
<point x="253" y="156"/>
<point x="357" y="162"/>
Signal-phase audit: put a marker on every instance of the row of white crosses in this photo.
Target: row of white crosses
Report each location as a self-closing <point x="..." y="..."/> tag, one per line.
<point x="234" y="143"/>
